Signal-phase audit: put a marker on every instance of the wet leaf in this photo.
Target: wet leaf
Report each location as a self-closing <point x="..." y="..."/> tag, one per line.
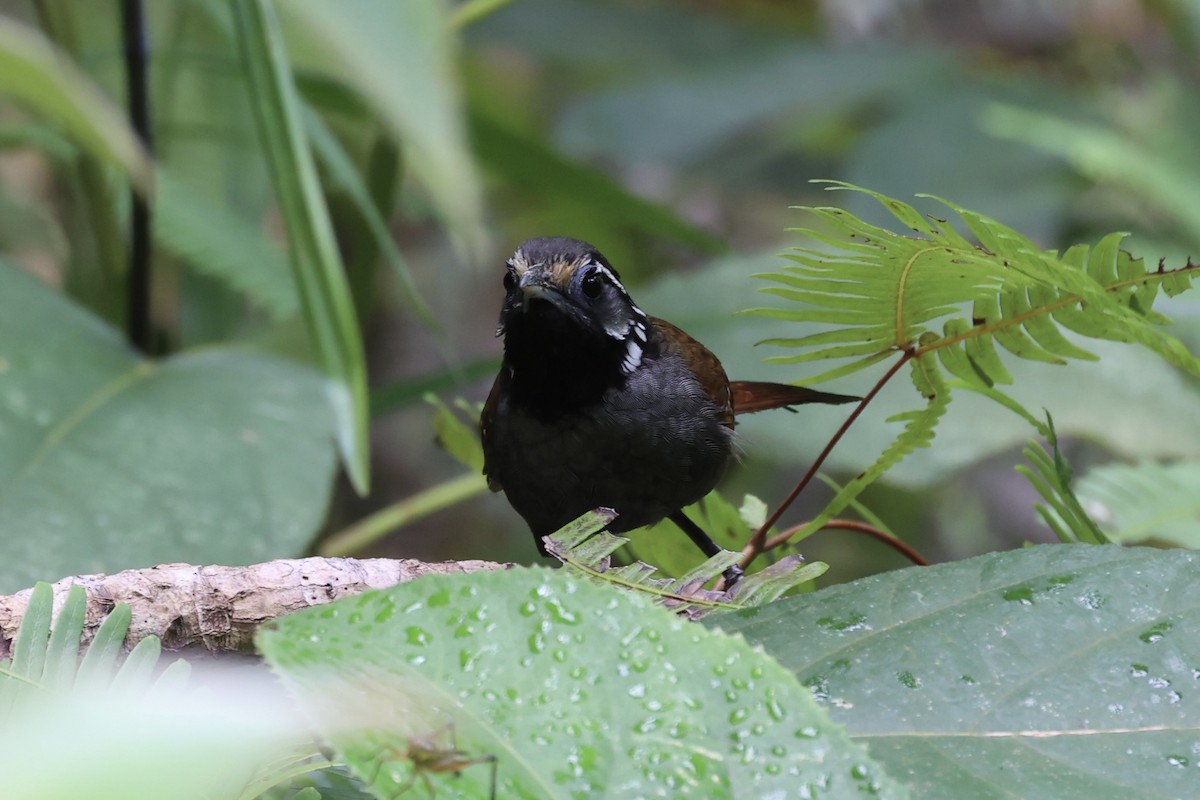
<point x="577" y="690"/>
<point x="1065" y="671"/>
<point x="109" y="461"/>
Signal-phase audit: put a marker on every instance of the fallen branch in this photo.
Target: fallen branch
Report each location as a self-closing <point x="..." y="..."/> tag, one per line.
<point x="219" y="608"/>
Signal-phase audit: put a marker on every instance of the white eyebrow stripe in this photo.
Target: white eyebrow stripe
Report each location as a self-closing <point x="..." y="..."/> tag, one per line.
<point x="612" y="276"/>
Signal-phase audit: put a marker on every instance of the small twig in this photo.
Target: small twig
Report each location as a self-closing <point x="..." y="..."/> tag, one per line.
<point x="858" y="526"/>
<point x="133" y="32"/>
<point x="758" y="541"/>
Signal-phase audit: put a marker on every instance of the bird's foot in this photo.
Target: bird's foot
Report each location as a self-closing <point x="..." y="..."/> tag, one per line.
<point x="731" y="577"/>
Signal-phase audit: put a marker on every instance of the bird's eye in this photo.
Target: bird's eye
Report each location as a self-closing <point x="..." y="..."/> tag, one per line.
<point x="510" y="280"/>
<point x="593" y="283"/>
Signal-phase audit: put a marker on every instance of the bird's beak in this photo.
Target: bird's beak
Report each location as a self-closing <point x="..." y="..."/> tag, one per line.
<point x="535" y="285"/>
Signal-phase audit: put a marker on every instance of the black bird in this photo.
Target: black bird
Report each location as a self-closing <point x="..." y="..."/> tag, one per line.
<point x="598" y="404"/>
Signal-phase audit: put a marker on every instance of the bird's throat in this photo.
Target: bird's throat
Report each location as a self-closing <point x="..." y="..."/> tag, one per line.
<point x="558" y="367"/>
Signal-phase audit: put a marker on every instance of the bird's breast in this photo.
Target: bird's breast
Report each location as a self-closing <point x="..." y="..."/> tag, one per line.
<point x="646" y="448"/>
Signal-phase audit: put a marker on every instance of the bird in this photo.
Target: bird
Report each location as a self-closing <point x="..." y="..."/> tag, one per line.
<point x="600" y="405"/>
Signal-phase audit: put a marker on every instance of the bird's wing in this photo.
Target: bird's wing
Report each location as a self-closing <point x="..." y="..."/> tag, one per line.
<point x="486" y="418"/>
<point x="706" y="367"/>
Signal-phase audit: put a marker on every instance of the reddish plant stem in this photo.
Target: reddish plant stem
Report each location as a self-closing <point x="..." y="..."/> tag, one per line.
<point x="757" y="542"/>
<point x="900" y="546"/>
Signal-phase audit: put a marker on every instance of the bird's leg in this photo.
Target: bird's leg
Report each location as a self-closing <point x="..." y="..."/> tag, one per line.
<point x="706" y="545"/>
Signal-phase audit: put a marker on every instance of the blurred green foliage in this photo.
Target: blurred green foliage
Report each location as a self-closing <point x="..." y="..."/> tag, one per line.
<point x="335" y="187"/>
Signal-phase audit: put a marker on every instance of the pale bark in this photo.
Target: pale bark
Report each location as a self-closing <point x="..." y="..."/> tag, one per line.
<point x="219" y="608"/>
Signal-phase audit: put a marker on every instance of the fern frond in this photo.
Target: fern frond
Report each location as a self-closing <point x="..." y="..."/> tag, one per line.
<point x="728" y="526"/>
<point x="586" y="548"/>
<point x="938" y="292"/>
<point x="1146" y="502"/>
<point x="46" y="654"/>
<point x="919" y="425"/>
<point x="1051" y="476"/>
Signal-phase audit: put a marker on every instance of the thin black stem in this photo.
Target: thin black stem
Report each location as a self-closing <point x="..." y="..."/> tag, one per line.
<point x="133" y="33"/>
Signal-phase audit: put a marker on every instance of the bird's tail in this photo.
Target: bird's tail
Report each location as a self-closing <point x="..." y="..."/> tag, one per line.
<point x="751" y="396"/>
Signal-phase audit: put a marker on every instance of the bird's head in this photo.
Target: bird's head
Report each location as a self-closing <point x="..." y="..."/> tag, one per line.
<point x="559" y="287"/>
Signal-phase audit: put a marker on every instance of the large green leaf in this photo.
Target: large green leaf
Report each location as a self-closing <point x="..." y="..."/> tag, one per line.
<point x="1062" y="671"/>
<point x="109" y="461"/>
<point x="1158" y="174"/>
<point x="577" y="690"/>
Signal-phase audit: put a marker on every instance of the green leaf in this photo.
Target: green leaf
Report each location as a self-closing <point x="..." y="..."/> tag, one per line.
<point x="703" y="303"/>
<point x="1155" y="175"/>
<point x="137" y="670"/>
<point x="1055" y="671"/>
<point x="577" y="690"/>
<point x="33" y="71"/>
<point x="102" y="658"/>
<point x="400" y="55"/>
<point x="317" y="268"/>
<point x="373" y="527"/>
<point x="662" y="113"/>
<point x="536" y="167"/>
<point x="393" y="396"/>
<point x="919" y="425"/>
<point x="665" y="546"/>
<point x="46" y="656"/>
<point x="219" y="242"/>
<point x="62" y="652"/>
<point x="459" y="439"/>
<point x="29" y="648"/>
<point x="893" y="289"/>
<point x="1051" y="476"/>
<point x="1145" y="502"/>
<point x="111" y="462"/>
<point x="344" y="177"/>
<point x="585" y="548"/>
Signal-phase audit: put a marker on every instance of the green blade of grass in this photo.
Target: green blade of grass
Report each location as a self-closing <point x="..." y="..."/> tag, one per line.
<point x="324" y="293"/>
